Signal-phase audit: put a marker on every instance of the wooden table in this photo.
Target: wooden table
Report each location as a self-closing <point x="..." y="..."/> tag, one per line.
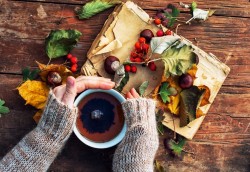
<point x="223" y="140"/>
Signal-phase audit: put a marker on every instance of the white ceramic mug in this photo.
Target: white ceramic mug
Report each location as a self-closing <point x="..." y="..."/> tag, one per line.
<point x="109" y="143"/>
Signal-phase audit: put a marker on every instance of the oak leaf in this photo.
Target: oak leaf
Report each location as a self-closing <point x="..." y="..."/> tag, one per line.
<point x="35" y="93"/>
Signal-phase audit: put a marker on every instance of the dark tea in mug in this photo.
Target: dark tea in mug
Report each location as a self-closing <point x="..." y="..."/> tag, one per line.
<point x="100" y="117"/>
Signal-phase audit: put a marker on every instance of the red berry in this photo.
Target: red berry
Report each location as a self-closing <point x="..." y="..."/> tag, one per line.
<point x="127" y="68"/>
<point x="145" y="47"/>
<point x="133" y="54"/>
<point x="142" y="40"/>
<point x="73" y="68"/>
<point x="74" y="60"/>
<point x="160" y="33"/>
<point x="133" y="69"/>
<point x="157" y="21"/>
<point x="168" y="32"/>
<point x="132" y="59"/>
<point x="138" y="59"/>
<point x="69" y="56"/>
<point x="138" y="46"/>
<point x="152" y="66"/>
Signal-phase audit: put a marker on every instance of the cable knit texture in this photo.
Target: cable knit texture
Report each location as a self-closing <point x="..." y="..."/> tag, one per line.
<point x="38" y="149"/>
<point x="137" y="150"/>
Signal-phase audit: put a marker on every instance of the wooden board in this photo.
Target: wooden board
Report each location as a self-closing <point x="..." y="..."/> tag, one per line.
<point x="221" y="143"/>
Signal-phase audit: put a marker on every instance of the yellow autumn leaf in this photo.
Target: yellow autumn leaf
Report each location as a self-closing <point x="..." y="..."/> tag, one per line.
<point x="61" y="69"/>
<point x="199" y="113"/>
<point x="193" y="71"/>
<point x="34" y="92"/>
<point x="38" y="116"/>
<point x="173" y="106"/>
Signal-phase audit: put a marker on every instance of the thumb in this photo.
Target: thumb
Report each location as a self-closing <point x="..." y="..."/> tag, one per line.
<point x="70" y="92"/>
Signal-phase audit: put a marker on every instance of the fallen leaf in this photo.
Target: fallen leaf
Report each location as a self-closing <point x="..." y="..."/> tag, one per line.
<point x="159" y="167"/>
<point x="94" y="7"/>
<point x="38" y="116"/>
<point x="189" y="100"/>
<point x="143" y="88"/>
<point x="62" y="70"/>
<point x="160" y="44"/>
<point x="174" y="105"/>
<point x="199" y="113"/>
<point x="60" y="42"/>
<point x="205" y="96"/>
<point x="30" y="74"/>
<point x="34" y="92"/>
<point x="178" y="60"/>
<point x="193" y="71"/>
<point x="123" y="82"/>
<point x="177" y="147"/>
<point x="3" y="109"/>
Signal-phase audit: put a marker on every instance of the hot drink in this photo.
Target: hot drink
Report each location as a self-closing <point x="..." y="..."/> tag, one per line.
<point x="100" y="117"/>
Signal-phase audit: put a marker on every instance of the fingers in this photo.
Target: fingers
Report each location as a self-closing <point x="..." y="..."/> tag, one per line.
<point x="91" y="82"/>
<point x="132" y="94"/>
<point x="70" y="92"/>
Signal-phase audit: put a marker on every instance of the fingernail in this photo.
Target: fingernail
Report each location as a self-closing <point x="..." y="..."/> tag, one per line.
<point x="70" y="82"/>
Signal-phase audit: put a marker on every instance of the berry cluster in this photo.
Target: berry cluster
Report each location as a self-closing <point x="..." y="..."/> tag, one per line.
<point x="141" y="49"/>
<point x="73" y="61"/>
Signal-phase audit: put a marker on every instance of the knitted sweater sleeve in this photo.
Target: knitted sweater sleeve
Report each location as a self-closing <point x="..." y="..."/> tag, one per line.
<point x="38" y="149"/>
<point x="137" y="150"/>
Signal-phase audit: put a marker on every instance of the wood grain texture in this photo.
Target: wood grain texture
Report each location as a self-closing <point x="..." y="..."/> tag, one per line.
<point x="223" y="140"/>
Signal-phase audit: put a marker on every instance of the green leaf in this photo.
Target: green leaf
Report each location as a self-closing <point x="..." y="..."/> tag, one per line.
<point x="177" y="147"/>
<point x="164" y="92"/>
<point x="123" y="82"/>
<point x="159" y="119"/>
<point x="3" y="109"/>
<point x="159" y="167"/>
<point x="178" y="60"/>
<point x="172" y="17"/>
<point x="94" y="7"/>
<point x="30" y="74"/>
<point x="189" y="101"/>
<point x="193" y="5"/>
<point x="143" y="88"/>
<point x="61" y="42"/>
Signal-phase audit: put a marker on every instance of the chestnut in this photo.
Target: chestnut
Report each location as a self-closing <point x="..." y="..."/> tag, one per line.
<point x="147" y="34"/>
<point x="111" y="63"/>
<point x="54" y="78"/>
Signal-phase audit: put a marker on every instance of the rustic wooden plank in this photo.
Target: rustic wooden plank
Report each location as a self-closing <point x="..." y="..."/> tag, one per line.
<point x="225" y="8"/>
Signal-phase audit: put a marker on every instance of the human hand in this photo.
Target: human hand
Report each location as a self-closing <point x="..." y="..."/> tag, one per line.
<point x="67" y="93"/>
<point x="132" y="94"/>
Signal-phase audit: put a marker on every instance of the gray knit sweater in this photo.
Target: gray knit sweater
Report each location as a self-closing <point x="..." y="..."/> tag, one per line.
<point x="38" y="149"/>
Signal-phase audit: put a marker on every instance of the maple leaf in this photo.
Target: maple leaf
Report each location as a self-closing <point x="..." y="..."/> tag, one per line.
<point x="34" y="92"/>
<point x="30" y="74"/>
<point x="3" y="109"/>
<point x="62" y="70"/>
<point x="178" y="60"/>
<point x="177" y="147"/>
